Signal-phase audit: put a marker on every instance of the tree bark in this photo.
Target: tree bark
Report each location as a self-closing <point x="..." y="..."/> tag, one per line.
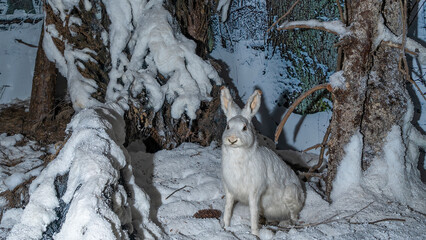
<point x="43" y="87"/>
<point x="387" y="97"/>
<point x="375" y="98"/>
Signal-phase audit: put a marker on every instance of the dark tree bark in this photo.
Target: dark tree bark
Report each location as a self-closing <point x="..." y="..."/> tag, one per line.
<point x="43" y="88"/>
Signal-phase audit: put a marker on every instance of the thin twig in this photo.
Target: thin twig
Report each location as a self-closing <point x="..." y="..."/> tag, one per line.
<point x="387" y="219"/>
<point x="27" y="44"/>
<point x="284" y="16"/>
<point x="414" y="210"/>
<point x="324" y="143"/>
<point x="308" y="175"/>
<point x="355" y="213"/>
<point x="294" y="105"/>
<point x="313" y="147"/>
<point x="175" y="191"/>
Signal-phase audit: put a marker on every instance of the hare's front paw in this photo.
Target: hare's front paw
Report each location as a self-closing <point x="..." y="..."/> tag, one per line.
<point x="255" y="231"/>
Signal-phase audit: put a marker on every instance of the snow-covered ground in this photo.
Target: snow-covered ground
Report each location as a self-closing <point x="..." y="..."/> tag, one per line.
<point x="183" y="181"/>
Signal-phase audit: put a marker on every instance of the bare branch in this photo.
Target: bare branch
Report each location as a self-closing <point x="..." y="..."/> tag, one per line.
<point x="313" y="147"/>
<point x="335" y="27"/>
<point x="294" y="105"/>
<point x="175" y="191"/>
<point x="25" y="43"/>
<point x="284" y="16"/>
<point x="323" y="145"/>
<point x="342" y="18"/>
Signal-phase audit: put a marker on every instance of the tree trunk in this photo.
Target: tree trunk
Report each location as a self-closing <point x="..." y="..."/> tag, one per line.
<point x="375" y="98"/>
<point x="43" y="88"/>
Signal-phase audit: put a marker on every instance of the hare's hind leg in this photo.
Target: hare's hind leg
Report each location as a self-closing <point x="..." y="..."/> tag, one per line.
<point x="293" y="201"/>
<point x="230" y="200"/>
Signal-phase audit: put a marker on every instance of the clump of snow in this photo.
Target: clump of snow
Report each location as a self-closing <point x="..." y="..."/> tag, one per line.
<point x="348" y="175"/>
<point x="102" y="199"/>
<point x="337" y="80"/>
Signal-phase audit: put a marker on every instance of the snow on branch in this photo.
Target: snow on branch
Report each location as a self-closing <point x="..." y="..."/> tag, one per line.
<point x="335" y="27"/>
<point x="88" y="191"/>
<point x="158" y="47"/>
<point x="223" y="7"/>
<point x="411" y="46"/>
<point x="144" y="41"/>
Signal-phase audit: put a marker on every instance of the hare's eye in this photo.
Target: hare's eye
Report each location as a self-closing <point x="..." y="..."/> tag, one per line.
<point x="245" y="128"/>
<point x="227" y="126"/>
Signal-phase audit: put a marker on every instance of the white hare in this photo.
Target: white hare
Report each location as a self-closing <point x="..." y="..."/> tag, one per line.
<point x="253" y="174"/>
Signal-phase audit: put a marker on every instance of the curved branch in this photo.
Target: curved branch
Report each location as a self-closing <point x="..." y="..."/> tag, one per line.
<point x="297" y="102"/>
<point x="283" y="16"/>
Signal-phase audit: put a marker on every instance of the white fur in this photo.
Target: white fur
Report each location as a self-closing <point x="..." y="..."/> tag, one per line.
<point x="253" y="174"/>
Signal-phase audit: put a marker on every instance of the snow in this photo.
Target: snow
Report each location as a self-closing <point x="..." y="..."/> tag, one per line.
<point x="223" y="7"/>
<point x="161" y="192"/>
<point x="336" y="27"/>
<point x="20" y="162"/>
<point x="145" y="29"/>
<point x="198" y="168"/>
<point x="385" y="34"/>
<point x="93" y="161"/>
<point x="348" y="175"/>
<point x="337" y="80"/>
<point x="17" y="60"/>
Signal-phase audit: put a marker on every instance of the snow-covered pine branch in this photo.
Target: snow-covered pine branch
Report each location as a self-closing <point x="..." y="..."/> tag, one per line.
<point x="335" y="27"/>
<point x="143" y="41"/>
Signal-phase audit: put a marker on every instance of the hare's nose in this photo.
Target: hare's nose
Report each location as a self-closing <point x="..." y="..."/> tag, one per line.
<point x="232" y="140"/>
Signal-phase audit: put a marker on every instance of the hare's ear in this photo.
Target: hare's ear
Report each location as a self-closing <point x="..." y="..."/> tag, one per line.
<point x="229" y="107"/>
<point x="252" y="105"/>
